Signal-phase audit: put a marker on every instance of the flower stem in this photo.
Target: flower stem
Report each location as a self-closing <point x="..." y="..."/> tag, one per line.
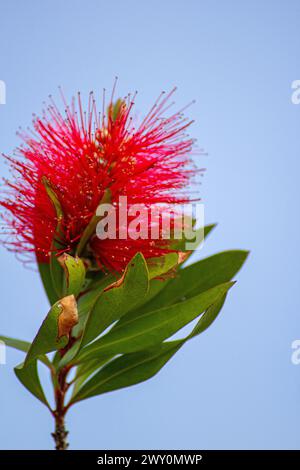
<point x="60" y="434"/>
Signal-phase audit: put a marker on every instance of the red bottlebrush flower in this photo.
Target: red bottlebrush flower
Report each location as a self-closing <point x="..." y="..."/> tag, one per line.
<point x="83" y="154"/>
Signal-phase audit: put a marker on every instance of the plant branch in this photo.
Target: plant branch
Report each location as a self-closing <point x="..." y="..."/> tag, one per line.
<point x="61" y="386"/>
<point x="60" y="434"/>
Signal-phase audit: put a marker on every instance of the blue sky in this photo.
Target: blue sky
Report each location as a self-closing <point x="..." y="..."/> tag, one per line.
<point x="234" y="386"/>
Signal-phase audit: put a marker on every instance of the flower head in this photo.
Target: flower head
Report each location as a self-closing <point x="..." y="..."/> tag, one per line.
<point x="83" y="154"/>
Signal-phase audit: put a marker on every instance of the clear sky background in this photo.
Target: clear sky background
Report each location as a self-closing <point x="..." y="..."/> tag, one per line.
<point x="234" y="386"/>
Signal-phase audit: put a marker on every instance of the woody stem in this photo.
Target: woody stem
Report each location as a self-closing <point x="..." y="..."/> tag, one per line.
<point x="60" y="434"/>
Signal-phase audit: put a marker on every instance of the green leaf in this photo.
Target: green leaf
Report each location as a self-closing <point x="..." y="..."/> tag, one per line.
<point x="155" y="286"/>
<point x="87" y="301"/>
<point x="56" y="271"/>
<point x="45" y="274"/>
<point x="98" y="311"/>
<point x="91" y="227"/>
<point x="152" y="327"/>
<point x="117" y="299"/>
<point x="128" y="370"/>
<point x="85" y="370"/>
<point x="47" y="338"/>
<point x="109" y="304"/>
<point x="57" y="275"/>
<point x="53" y="197"/>
<point x="74" y="274"/>
<point x="95" y="279"/>
<point x="134" y="368"/>
<point x="28" y="376"/>
<point x="157" y="267"/>
<point x="16" y="343"/>
<point x="197" y="278"/>
<point x="23" y="346"/>
<point x="208" y="229"/>
<point x="180" y="245"/>
<point x="156" y="282"/>
<point x="85" y="304"/>
<point x="207" y="318"/>
<point x="67" y="273"/>
<point x="162" y="264"/>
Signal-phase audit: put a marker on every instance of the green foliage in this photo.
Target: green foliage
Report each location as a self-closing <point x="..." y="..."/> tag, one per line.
<point x="133" y="368"/>
<point x="28" y="376"/>
<point x="64" y="275"/>
<point x="117" y="299"/>
<point x="199" y="277"/>
<point x="152" y="327"/>
<point x="123" y="335"/>
<point x="16" y="343"/>
<point x="45" y="273"/>
<point x="47" y="338"/>
<point x="111" y="302"/>
<point x="91" y="227"/>
<point x="74" y="271"/>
